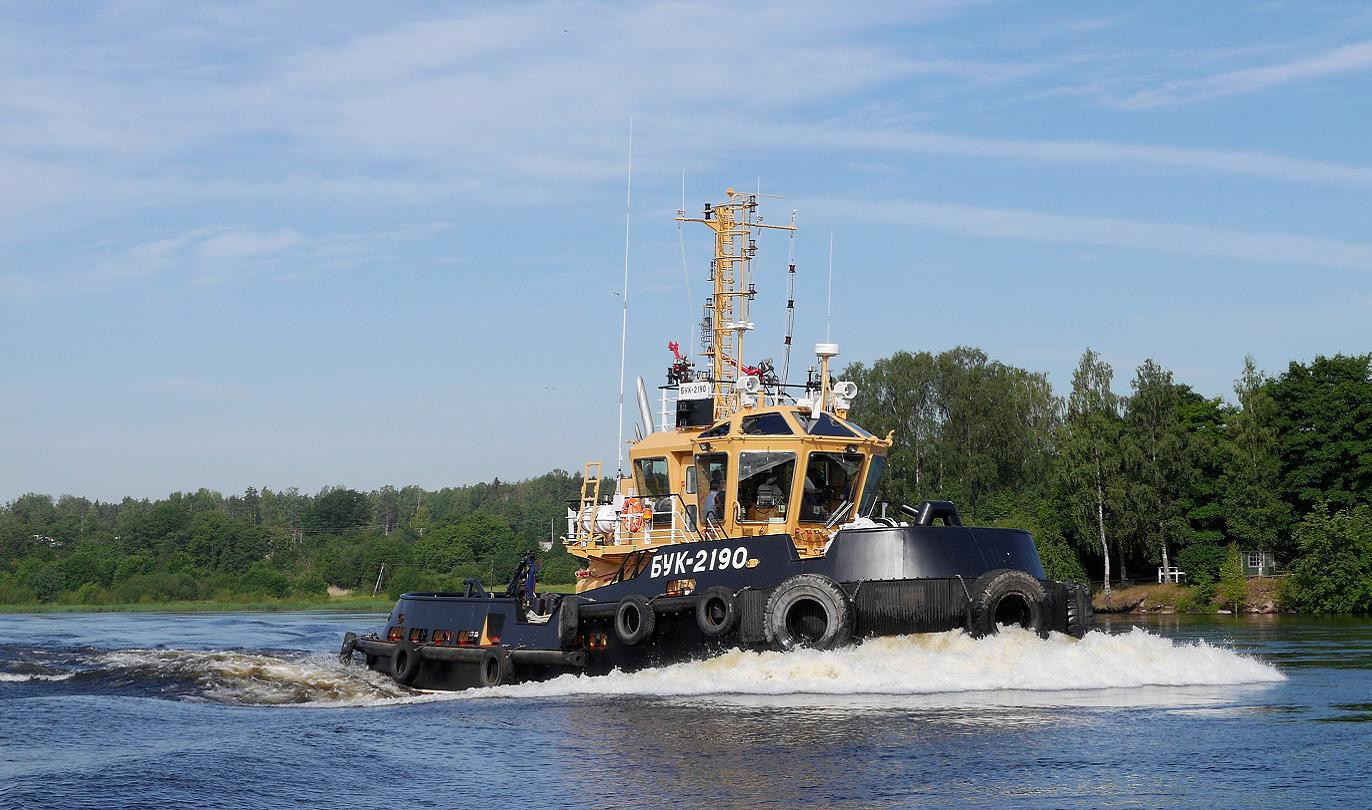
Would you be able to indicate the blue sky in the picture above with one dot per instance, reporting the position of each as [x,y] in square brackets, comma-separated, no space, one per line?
[269,244]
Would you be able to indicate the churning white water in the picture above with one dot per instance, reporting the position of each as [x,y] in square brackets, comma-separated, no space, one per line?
[941,668]
[934,664]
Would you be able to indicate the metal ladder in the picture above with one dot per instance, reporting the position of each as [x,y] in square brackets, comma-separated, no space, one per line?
[590,499]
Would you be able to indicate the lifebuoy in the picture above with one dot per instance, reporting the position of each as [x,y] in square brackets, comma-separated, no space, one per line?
[716,614]
[1007,596]
[634,620]
[405,663]
[632,517]
[808,610]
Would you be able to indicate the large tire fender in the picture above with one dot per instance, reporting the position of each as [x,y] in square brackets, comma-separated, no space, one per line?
[808,610]
[345,653]
[1006,594]
[716,612]
[634,620]
[568,621]
[1079,610]
[491,669]
[405,663]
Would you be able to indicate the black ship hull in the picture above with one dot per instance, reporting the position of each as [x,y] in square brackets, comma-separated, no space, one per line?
[695,600]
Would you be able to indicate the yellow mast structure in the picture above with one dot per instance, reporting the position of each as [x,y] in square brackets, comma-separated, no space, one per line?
[734,223]
[688,482]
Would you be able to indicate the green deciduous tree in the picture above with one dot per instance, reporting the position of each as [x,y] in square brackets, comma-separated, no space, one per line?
[1157,463]
[1255,515]
[1089,448]
[1233,587]
[1333,573]
[1322,418]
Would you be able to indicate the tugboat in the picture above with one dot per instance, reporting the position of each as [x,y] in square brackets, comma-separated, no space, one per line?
[749,520]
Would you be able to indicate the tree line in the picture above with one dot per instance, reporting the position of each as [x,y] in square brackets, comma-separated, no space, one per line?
[1122,483]
[276,544]
[1111,483]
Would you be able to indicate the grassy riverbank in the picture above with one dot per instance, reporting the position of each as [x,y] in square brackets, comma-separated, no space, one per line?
[354,603]
[1263,595]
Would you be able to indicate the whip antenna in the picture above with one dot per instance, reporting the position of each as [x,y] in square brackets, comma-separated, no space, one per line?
[685,268]
[828,305]
[790,303]
[624,320]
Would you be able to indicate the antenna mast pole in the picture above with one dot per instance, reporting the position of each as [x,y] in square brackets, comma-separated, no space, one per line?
[790,302]
[685,268]
[828,304]
[624,320]
[735,223]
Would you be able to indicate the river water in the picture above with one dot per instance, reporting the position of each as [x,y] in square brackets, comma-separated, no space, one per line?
[254,711]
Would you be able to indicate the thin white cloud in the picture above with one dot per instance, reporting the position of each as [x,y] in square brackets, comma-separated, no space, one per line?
[207,257]
[1038,226]
[1238,162]
[1346,59]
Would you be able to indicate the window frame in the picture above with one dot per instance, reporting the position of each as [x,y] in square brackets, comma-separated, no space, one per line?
[758,417]
[855,481]
[666,476]
[704,492]
[788,488]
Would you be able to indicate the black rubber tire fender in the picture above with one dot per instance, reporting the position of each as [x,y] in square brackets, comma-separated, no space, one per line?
[716,612]
[1079,610]
[405,663]
[568,621]
[989,594]
[634,620]
[490,670]
[345,653]
[808,610]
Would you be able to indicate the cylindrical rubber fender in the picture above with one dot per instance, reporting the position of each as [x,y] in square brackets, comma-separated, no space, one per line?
[808,610]
[634,620]
[1007,596]
[1079,610]
[405,663]
[716,613]
[568,621]
[491,669]
[480,671]
[345,653]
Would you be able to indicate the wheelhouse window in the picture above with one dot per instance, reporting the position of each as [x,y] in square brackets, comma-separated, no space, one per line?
[826,425]
[718,431]
[766,424]
[875,468]
[650,474]
[764,485]
[712,469]
[831,481]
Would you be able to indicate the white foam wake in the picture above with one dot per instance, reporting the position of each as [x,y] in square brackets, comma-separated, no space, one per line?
[259,678]
[30,677]
[934,664]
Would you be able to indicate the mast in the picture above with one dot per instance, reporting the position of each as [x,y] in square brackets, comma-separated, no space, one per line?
[624,320]
[734,222]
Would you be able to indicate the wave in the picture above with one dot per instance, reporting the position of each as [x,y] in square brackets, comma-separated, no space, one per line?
[933,664]
[942,664]
[32,677]
[256,678]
